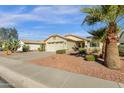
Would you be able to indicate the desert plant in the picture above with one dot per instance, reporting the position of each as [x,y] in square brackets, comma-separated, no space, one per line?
[14,44]
[11,45]
[121,50]
[25,48]
[90,58]
[61,51]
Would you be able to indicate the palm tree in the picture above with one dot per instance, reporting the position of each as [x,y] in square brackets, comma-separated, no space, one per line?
[110,15]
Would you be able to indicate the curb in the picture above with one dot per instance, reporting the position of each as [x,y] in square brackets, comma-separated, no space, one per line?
[17,80]
[121,85]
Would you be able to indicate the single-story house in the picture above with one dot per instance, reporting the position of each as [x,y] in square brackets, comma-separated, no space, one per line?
[57,42]
[34,44]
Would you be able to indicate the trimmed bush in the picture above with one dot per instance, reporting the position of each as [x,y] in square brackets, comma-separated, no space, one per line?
[121,50]
[82,51]
[90,58]
[61,51]
[25,48]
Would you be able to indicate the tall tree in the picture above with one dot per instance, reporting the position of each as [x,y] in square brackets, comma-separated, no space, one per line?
[7,33]
[109,15]
[13,33]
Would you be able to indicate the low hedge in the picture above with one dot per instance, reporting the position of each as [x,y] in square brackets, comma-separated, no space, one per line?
[25,48]
[61,51]
[90,58]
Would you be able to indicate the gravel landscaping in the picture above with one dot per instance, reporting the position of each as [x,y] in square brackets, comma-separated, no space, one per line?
[75,64]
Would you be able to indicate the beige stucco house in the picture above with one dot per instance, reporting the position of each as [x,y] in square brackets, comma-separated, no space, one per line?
[68,42]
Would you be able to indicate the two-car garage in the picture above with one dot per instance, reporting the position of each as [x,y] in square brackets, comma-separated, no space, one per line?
[53,46]
[55,42]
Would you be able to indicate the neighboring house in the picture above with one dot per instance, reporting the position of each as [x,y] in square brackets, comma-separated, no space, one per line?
[57,42]
[34,44]
[94,44]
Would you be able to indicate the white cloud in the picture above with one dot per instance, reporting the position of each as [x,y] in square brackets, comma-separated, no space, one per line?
[47,14]
[57,10]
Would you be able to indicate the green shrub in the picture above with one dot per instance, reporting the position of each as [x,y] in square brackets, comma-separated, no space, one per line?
[25,48]
[121,50]
[61,51]
[41,48]
[82,50]
[90,58]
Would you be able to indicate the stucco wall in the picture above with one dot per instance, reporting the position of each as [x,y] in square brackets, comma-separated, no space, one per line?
[70,45]
[34,46]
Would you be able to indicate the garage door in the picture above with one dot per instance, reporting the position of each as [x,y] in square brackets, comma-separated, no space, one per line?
[55,46]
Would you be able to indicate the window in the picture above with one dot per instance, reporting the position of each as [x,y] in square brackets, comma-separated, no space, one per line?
[94,44]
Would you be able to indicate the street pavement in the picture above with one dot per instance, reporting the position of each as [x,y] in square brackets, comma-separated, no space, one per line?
[49,77]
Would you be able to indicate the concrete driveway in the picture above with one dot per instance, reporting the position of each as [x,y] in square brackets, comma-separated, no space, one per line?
[30,55]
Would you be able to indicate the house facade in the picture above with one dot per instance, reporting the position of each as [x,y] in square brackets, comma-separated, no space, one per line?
[57,42]
[68,42]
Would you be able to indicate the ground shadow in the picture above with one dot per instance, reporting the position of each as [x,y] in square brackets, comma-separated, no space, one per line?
[100,61]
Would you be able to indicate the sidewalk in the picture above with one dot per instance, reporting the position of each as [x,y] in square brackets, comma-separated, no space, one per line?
[38,76]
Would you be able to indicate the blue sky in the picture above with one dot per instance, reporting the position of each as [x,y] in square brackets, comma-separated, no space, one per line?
[38,22]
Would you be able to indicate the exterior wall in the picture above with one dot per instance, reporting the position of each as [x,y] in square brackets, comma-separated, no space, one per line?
[55,43]
[70,45]
[34,46]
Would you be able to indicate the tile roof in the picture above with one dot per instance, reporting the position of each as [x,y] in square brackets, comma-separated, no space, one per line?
[33,41]
[60,37]
[75,36]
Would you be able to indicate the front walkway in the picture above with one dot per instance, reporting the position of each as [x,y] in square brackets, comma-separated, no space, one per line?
[20,72]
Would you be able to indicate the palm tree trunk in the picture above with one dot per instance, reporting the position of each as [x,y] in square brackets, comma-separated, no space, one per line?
[112,59]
